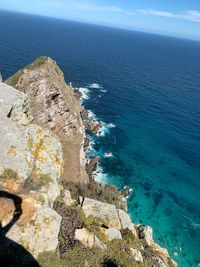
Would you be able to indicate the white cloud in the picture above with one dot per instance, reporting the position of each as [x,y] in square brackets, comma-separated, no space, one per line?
[84,6]
[191,15]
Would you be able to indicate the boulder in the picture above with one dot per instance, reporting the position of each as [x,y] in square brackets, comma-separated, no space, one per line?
[126,222]
[88,239]
[137,255]
[106,212]
[36,228]
[113,233]
[40,235]
[146,233]
[67,199]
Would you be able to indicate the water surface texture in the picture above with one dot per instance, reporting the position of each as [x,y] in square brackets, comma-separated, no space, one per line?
[149,88]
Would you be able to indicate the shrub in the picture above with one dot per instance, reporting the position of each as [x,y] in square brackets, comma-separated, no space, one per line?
[71,220]
[80,256]
[50,259]
[120,254]
[45,179]
[105,193]
[9,174]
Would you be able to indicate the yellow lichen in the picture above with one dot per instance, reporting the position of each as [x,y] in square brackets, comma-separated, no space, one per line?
[12,151]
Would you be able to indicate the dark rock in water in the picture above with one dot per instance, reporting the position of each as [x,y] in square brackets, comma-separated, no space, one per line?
[168,212]
[136,205]
[77,94]
[141,229]
[84,114]
[126,191]
[91,166]
[157,197]
[147,186]
[86,143]
[92,126]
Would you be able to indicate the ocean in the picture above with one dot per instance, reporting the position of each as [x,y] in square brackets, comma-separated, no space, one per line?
[146,90]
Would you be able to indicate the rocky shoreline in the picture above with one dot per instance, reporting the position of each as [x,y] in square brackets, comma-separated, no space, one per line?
[66,218]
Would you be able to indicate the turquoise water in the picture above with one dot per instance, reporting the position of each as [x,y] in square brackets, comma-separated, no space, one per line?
[149,88]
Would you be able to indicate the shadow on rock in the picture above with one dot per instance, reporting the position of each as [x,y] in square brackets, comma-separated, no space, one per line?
[11,253]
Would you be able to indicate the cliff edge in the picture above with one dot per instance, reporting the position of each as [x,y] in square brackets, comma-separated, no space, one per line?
[52,213]
[52,105]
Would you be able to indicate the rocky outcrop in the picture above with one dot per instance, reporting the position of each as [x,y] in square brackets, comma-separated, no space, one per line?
[112,233]
[42,137]
[117,220]
[31,163]
[91,166]
[106,212]
[88,239]
[52,105]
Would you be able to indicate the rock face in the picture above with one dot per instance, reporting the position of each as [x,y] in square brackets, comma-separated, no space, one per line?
[31,163]
[52,105]
[106,212]
[42,141]
[112,234]
[88,239]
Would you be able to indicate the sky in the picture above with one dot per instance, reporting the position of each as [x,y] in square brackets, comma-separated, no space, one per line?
[179,18]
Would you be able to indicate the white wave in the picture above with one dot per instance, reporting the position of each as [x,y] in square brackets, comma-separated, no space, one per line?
[91,114]
[94,86]
[103,90]
[90,149]
[196,225]
[108,155]
[100,176]
[85,92]
[105,128]
[111,125]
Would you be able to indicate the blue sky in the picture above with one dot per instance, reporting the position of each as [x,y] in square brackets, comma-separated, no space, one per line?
[172,17]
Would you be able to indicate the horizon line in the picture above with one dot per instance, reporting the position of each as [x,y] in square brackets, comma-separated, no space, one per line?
[113,26]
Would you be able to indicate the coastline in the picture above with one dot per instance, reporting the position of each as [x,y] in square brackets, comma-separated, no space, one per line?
[98,211]
[98,175]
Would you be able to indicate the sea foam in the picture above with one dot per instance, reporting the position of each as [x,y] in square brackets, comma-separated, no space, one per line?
[94,86]
[85,93]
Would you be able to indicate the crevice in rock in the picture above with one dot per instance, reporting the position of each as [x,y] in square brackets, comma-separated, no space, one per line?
[10,113]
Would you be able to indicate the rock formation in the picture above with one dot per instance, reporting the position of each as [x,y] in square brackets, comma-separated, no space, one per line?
[47,201]
[54,106]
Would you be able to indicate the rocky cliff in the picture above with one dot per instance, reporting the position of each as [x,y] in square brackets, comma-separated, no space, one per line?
[52,105]
[50,210]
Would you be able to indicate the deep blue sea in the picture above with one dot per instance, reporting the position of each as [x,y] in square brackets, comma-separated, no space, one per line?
[148,86]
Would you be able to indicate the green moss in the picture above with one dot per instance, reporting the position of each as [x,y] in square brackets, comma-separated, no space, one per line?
[59,199]
[131,240]
[50,259]
[13,80]
[9,174]
[80,256]
[41,199]
[45,179]
[119,252]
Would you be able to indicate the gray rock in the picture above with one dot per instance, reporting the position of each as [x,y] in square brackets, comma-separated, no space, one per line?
[107,212]
[112,234]
[40,234]
[137,255]
[88,239]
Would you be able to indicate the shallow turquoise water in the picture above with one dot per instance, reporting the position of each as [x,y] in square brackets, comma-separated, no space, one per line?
[152,95]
